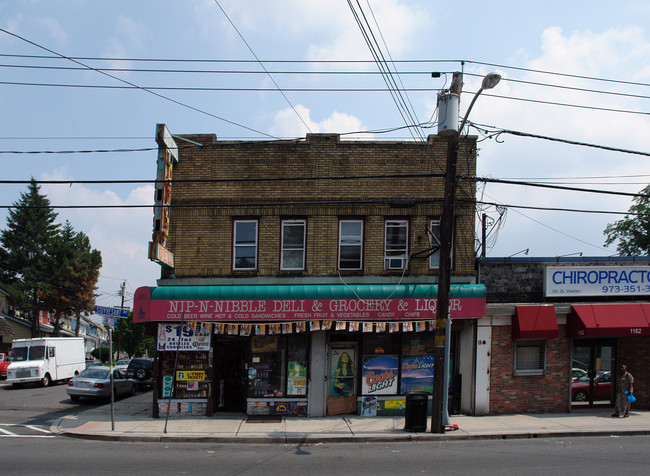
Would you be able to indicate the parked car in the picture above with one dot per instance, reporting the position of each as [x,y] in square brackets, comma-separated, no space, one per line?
[141,370]
[602,387]
[122,364]
[5,360]
[577,373]
[92,363]
[95,382]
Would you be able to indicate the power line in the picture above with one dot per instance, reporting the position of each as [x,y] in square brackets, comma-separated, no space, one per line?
[279,89]
[494,132]
[166,98]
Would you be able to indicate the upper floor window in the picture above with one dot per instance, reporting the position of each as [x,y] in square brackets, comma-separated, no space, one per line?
[396,244]
[351,244]
[434,258]
[245,245]
[293,244]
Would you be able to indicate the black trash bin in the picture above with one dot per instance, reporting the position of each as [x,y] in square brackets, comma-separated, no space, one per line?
[416,412]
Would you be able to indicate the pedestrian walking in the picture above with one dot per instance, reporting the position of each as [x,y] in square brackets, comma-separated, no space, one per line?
[624,393]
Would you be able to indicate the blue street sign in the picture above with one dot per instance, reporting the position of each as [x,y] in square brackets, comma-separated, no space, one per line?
[112,311]
[111,321]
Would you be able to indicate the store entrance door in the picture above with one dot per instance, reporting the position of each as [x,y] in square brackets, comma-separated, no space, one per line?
[342,396]
[592,378]
[230,382]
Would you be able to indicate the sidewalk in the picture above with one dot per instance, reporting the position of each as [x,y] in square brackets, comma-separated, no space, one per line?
[133,422]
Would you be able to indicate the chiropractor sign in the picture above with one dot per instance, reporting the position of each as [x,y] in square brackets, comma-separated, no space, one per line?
[567,281]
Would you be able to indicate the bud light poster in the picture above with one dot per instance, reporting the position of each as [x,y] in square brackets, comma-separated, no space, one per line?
[417,374]
[379,375]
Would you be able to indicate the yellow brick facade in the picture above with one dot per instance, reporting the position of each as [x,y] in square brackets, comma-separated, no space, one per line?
[321,179]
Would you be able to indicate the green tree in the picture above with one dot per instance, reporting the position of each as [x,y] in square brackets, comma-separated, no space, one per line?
[101,353]
[31,228]
[84,277]
[632,233]
[134,341]
[74,270]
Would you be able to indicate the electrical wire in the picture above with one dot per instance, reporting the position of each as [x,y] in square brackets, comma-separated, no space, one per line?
[278,88]
[133,85]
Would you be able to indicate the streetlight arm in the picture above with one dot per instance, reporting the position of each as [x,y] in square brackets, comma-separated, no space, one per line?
[469,109]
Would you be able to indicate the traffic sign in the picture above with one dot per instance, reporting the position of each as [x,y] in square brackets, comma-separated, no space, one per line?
[111,321]
[112,311]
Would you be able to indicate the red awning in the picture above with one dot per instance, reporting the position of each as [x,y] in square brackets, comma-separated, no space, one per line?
[535,322]
[609,320]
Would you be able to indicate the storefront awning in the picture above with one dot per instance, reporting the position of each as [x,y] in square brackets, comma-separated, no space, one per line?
[535,322]
[281,303]
[609,320]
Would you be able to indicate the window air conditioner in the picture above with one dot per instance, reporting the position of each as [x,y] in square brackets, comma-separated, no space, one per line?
[395,263]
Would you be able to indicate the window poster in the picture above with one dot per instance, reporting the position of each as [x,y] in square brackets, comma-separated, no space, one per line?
[297,378]
[417,374]
[379,375]
[342,372]
[191,338]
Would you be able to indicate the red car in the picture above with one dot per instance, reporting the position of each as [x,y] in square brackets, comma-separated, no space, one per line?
[5,360]
[602,387]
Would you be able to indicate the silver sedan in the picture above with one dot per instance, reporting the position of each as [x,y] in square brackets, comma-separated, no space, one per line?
[96,382]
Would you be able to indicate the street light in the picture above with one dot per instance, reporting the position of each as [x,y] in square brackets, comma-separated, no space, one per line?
[443,330]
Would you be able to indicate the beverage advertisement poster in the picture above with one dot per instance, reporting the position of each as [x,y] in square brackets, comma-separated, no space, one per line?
[192,338]
[297,379]
[417,374]
[379,375]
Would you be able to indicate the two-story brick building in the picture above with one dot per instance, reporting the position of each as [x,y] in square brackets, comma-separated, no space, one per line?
[304,274]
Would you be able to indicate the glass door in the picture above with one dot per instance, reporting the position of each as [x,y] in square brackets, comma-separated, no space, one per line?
[592,373]
[342,372]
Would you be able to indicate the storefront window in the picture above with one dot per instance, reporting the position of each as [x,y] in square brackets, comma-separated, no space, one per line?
[530,357]
[418,344]
[297,351]
[266,373]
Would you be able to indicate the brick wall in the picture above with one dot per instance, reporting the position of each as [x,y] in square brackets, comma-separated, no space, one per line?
[633,352]
[510,393]
[202,215]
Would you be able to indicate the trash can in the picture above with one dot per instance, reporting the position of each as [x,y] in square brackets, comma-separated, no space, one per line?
[416,412]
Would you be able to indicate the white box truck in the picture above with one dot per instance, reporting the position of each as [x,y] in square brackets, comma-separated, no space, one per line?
[46,360]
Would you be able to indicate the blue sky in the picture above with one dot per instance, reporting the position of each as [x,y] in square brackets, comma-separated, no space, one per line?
[46,109]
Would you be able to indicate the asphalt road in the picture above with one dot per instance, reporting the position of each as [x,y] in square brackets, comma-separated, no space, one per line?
[38,406]
[30,449]
[583,455]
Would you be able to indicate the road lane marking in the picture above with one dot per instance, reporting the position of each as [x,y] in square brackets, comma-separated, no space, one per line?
[4,433]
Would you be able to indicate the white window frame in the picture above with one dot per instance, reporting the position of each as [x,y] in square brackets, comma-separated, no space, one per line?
[349,241]
[242,245]
[532,358]
[392,253]
[301,248]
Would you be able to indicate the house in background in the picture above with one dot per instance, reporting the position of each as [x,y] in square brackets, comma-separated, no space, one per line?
[14,326]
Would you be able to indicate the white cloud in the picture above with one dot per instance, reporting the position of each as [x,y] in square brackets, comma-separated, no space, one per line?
[129,38]
[286,123]
[615,53]
[324,29]
[54,32]
[120,234]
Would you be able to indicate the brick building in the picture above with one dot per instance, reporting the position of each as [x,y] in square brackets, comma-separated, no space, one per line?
[304,274]
[549,320]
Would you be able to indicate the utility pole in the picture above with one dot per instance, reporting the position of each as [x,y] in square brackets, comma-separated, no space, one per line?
[444,276]
[446,236]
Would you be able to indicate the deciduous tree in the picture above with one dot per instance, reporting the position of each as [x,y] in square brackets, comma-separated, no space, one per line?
[632,233]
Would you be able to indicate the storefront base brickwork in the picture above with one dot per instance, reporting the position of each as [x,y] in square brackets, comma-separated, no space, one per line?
[510,393]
